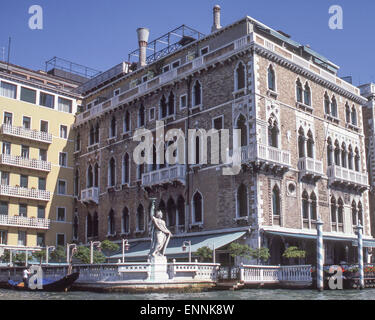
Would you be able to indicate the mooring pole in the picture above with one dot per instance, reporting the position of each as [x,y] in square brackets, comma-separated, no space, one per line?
[319,256]
[359,229]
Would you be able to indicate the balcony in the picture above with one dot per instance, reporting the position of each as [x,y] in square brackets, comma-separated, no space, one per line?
[347,178]
[266,156]
[24,222]
[19,192]
[90,195]
[21,162]
[164,176]
[45,137]
[310,168]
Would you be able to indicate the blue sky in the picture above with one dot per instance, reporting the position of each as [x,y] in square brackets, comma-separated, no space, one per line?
[100,34]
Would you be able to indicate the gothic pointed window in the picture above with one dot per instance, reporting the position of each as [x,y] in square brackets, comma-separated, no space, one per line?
[241,125]
[354,116]
[171,213]
[329,152]
[111,222]
[242,205]
[299,91]
[307,95]
[240,77]
[181,211]
[327,104]
[140,221]
[310,145]
[197,93]
[171,103]
[276,206]
[197,208]
[271,79]
[112,172]
[334,107]
[125,221]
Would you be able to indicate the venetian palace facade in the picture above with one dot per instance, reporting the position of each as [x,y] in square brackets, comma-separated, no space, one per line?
[36,163]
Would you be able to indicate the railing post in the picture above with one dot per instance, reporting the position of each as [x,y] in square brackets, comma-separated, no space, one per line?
[242,273]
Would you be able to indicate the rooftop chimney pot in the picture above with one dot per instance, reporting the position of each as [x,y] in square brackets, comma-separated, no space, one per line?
[143,34]
[216,11]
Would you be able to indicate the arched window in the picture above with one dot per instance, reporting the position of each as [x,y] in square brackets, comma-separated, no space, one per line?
[125,169]
[126,122]
[305,210]
[112,173]
[181,211]
[344,155]
[299,91]
[125,221]
[111,222]
[154,165]
[75,227]
[171,213]
[273,133]
[327,104]
[334,107]
[197,208]
[242,205]
[97,133]
[347,113]
[163,107]
[357,160]
[340,215]
[78,142]
[350,158]
[337,153]
[310,145]
[333,214]
[76,183]
[271,79]
[89,226]
[354,215]
[96,175]
[360,214]
[197,149]
[241,125]
[92,135]
[329,152]
[240,77]
[90,177]
[354,116]
[301,142]
[197,93]
[307,95]
[112,131]
[276,206]
[141,116]
[95,230]
[171,103]
[313,208]
[140,221]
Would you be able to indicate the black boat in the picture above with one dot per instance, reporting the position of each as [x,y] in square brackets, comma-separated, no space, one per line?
[49,285]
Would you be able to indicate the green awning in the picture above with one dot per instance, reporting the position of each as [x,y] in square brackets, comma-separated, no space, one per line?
[141,249]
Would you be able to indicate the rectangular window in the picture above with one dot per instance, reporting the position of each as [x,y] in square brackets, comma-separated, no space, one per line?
[8,90]
[61,187]
[63,132]
[47,100]
[204,51]
[40,240]
[5,178]
[176,64]
[60,239]
[65,105]
[166,68]
[152,114]
[26,122]
[24,181]
[60,214]
[44,126]
[183,101]
[8,118]
[42,183]
[6,148]
[4,207]
[116,92]
[22,238]
[28,95]
[63,159]
[41,212]
[22,212]
[218,123]
[43,154]
[25,152]
[3,237]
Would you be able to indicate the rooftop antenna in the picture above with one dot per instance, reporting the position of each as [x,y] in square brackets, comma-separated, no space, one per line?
[3,53]
[8,53]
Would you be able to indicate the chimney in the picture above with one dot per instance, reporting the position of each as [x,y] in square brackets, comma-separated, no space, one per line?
[216,26]
[143,34]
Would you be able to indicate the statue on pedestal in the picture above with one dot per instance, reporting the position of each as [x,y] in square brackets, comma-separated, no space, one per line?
[160,235]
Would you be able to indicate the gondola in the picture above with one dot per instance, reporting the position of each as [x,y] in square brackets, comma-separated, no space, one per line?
[49,285]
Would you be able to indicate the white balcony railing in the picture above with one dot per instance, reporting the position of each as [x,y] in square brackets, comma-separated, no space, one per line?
[309,166]
[21,162]
[90,195]
[19,192]
[338,174]
[265,153]
[165,175]
[26,133]
[24,222]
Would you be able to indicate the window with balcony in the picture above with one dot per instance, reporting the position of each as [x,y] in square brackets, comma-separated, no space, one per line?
[96,175]
[25,152]
[276,206]
[6,148]
[22,210]
[273,132]
[3,237]
[271,79]
[47,100]
[24,181]
[42,183]
[241,125]
[65,105]
[344,155]
[357,159]
[26,122]
[8,118]
[41,212]
[42,154]
[197,208]
[309,210]
[43,126]
[140,171]
[4,208]
[28,95]
[125,221]
[5,178]
[310,145]
[171,213]
[140,219]
[22,238]
[301,143]
[337,153]
[350,157]
[240,76]
[337,215]
[8,90]
[40,239]
[60,214]
[242,201]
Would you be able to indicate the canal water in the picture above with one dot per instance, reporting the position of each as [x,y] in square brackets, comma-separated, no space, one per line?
[258,294]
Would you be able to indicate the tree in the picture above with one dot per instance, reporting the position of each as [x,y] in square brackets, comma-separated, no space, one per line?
[108,246]
[39,255]
[294,253]
[260,254]
[239,250]
[204,254]
[83,254]
[6,256]
[59,254]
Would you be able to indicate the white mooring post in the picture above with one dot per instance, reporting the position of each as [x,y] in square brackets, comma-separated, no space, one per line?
[359,229]
[319,256]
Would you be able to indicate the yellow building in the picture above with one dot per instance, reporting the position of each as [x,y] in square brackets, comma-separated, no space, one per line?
[36,158]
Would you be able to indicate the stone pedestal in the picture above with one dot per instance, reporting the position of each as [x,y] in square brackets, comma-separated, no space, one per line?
[159,269]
